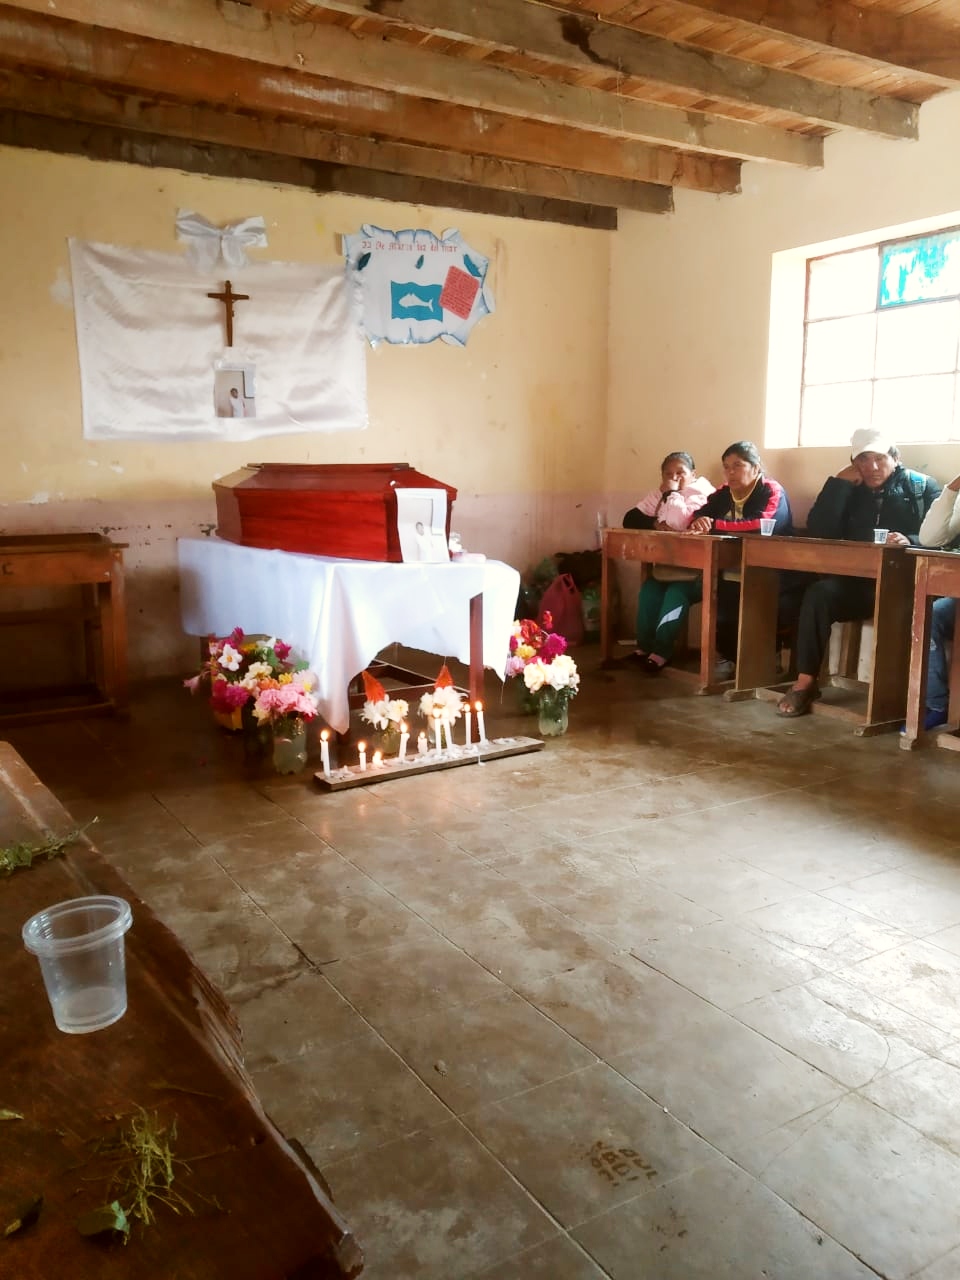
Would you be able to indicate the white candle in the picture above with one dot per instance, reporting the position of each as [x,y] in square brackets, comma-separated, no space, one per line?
[402,754]
[325,751]
[377,761]
[422,743]
[467,717]
[362,748]
[436,728]
[447,736]
[481,728]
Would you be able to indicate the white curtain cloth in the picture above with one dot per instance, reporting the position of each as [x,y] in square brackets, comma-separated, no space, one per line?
[339,614]
[150,342]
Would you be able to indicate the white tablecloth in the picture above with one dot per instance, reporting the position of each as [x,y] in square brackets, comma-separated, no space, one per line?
[339,614]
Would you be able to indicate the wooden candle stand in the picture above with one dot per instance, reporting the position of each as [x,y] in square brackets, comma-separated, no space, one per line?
[429,762]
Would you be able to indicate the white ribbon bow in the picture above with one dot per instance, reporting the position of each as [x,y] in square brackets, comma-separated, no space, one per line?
[206,243]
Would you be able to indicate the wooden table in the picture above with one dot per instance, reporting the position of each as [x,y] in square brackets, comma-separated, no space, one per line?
[93,564]
[889,567]
[176,1053]
[937,573]
[710,554]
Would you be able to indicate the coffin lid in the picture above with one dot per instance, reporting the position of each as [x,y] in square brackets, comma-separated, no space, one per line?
[332,478]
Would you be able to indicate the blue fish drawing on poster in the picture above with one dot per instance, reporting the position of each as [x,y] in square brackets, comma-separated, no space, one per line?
[415,286]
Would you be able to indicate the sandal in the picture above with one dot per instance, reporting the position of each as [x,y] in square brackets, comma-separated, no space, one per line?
[797,702]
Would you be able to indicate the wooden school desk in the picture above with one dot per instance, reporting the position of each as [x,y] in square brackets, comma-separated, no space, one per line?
[709,553]
[889,567]
[91,565]
[937,573]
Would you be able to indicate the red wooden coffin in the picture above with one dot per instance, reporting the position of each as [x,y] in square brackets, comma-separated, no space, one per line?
[344,509]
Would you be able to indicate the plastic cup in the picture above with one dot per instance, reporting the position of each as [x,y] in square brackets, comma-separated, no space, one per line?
[767,527]
[880,535]
[80,947]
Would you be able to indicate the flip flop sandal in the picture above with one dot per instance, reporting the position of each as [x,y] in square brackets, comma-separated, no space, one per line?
[797,702]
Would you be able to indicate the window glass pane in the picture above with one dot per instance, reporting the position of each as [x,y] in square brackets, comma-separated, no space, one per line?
[919,339]
[928,267]
[830,414]
[840,350]
[915,408]
[844,284]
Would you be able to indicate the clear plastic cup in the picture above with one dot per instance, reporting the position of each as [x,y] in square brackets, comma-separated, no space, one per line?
[767,527]
[80,947]
[880,535]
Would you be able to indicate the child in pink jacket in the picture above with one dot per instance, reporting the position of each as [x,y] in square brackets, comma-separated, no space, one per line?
[672,505]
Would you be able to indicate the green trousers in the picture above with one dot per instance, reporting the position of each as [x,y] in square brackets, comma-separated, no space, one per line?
[662,609]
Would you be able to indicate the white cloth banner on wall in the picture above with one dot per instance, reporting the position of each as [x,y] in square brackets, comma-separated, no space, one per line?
[154,364]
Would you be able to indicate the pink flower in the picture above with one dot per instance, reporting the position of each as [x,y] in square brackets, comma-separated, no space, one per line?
[192,684]
[225,695]
[552,647]
[282,650]
[514,665]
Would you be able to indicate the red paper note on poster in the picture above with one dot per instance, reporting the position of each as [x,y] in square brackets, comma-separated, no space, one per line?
[459,291]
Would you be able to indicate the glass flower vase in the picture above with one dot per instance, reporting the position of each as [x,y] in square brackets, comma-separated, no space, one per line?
[388,740]
[257,736]
[290,744]
[552,713]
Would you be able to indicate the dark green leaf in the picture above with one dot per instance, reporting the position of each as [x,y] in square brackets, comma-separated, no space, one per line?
[362,261]
[471,266]
[420,262]
[26,1216]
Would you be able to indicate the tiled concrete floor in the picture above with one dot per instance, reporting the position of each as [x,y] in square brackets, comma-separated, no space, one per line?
[677,997]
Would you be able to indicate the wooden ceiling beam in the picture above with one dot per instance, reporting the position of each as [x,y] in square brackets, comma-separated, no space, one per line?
[577,41]
[154,68]
[922,42]
[64,100]
[398,68]
[97,142]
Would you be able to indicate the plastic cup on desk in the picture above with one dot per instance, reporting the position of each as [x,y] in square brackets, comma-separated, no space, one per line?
[767,527]
[80,946]
[880,535]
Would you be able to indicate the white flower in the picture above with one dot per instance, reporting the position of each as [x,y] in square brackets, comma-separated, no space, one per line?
[255,672]
[562,673]
[397,710]
[376,713]
[446,701]
[231,658]
[535,675]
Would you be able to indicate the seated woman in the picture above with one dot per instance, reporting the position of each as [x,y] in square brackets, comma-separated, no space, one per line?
[737,507]
[941,528]
[680,494]
[875,491]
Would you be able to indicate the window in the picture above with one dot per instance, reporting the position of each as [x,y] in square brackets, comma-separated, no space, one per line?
[881,341]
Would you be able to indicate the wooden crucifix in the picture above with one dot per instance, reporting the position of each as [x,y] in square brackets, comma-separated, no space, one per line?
[228,298]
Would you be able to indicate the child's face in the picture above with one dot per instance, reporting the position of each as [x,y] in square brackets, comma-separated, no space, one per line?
[676,472]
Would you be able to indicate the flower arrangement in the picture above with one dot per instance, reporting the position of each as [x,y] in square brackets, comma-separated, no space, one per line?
[550,675]
[251,671]
[386,714]
[442,705]
[530,640]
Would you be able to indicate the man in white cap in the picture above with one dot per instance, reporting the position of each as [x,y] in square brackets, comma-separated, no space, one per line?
[874,492]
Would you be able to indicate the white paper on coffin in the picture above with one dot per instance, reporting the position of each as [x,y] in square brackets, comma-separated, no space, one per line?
[422,525]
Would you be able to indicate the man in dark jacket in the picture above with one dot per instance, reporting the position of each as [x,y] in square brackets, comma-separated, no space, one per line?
[874,492]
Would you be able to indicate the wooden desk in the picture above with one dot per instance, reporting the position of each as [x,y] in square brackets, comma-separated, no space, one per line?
[764,558]
[175,1052]
[708,553]
[94,564]
[937,573]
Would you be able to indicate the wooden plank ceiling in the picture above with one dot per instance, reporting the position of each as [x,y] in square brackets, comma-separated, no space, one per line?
[567,110]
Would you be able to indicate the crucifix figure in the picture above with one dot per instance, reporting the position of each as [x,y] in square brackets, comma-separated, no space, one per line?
[228,298]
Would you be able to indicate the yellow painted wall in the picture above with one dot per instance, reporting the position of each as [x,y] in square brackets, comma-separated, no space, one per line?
[690,298]
[516,420]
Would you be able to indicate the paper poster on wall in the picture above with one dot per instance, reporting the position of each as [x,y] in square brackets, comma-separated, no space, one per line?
[163,358]
[416,286]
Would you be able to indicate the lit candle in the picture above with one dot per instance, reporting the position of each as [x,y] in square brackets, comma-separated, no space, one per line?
[481,728]
[325,751]
[402,754]
[362,748]
[422,743]
[436,728]
[467,717]
[377,761]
